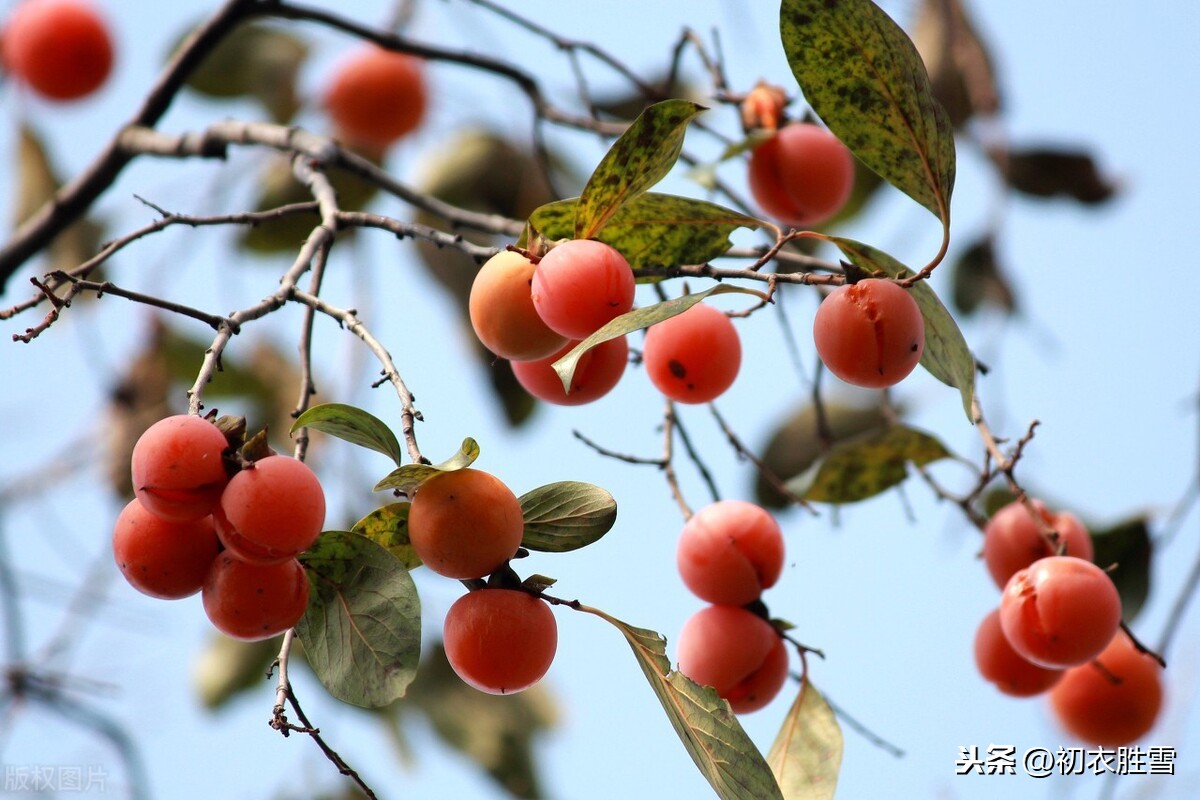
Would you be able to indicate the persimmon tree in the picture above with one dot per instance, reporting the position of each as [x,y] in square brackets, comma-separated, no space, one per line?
[705,206]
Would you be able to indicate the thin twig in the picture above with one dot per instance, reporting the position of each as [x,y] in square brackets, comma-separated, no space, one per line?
[694,454]
[745,452]
[668,465]
[409,415]
[71,201]
[330,753]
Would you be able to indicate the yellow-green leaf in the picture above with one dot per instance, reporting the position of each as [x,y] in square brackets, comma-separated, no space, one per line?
[640,158]
[387,526]
[635,320]
[407,478]
[867,465]
[862,75]
[653,231]
[709,730]
[807,754]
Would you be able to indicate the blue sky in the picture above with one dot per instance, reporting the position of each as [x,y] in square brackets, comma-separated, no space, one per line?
[1105,355]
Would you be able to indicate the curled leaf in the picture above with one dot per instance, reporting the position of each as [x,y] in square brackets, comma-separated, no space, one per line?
[407,478]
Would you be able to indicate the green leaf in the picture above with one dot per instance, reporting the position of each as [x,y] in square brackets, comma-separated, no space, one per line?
[1126,544]
[867,465]
[407,478]
[565,516]
[654,231]
[387,527]
[638,319]
[797,443]
[258,60]
[977,278]
[862,75]
[353,425]
[807,753]
[640,158]
[947,356]
[709,730]
[362,628]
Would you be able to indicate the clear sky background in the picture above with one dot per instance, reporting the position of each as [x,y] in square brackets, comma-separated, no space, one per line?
[1105,354]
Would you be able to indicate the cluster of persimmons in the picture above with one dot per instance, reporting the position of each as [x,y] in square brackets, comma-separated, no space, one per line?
[205,520]
[1058,628]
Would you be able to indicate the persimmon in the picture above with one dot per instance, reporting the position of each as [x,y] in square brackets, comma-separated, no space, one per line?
[254,601]
[1012,538]
[597,373]
[502,313]
[178,467]
[580,285]
[162,558]
[376,96]
[465,523]
[271,511]
[736,652]
[802,175]
[869,333]
[693,357]
[500,641]
[1114,701]
[1060,611]
[999,664]
[729,552]
[62,49]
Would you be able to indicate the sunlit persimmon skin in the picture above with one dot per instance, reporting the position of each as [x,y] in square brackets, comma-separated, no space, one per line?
[1012,539]
[693,357]
[999,664]
[502,312]
[376,96]
[597,373]
[465,523]
[163,558]
[580,285]
[1113,709]
[729,551]
[736,652]
[802,175]
[62,49]
[271,511]
[254,601]
[869,333]
[500,641]
[1060,611]
[178,468]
